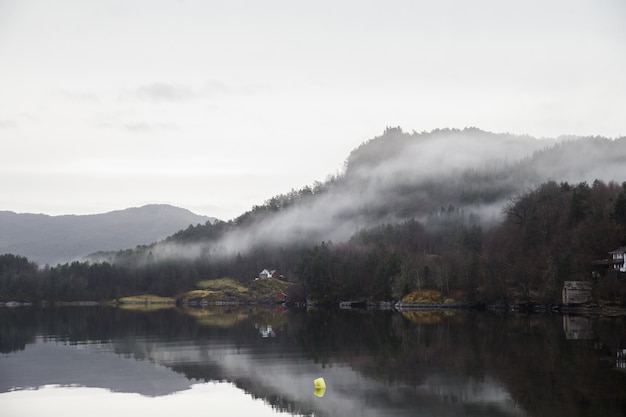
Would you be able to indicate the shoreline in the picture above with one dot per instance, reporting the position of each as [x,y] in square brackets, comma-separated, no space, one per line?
[586,310]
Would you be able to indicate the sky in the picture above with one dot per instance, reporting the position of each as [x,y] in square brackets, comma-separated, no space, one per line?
[216,106]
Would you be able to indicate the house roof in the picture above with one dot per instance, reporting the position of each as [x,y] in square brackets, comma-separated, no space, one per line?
[577,285]
[619,250]
[608,262]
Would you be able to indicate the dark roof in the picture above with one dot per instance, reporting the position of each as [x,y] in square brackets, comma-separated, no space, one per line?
[577,285]
[608,262]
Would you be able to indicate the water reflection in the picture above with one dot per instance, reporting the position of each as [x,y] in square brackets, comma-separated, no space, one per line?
[374,363]
[578,328]
[200,399]
[49,362]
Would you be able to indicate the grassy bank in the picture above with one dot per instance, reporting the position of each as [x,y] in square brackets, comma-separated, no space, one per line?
[227,290]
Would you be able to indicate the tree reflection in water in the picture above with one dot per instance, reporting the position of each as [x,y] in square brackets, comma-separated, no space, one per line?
[374,362]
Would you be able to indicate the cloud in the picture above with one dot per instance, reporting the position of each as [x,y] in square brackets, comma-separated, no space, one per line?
[131,120]
[399,177]
[165,92]
[8,124]
[172,92]
[144,127]
[214,87]
[78,96]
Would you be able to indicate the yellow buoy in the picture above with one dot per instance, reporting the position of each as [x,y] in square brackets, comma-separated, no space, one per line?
[320,387]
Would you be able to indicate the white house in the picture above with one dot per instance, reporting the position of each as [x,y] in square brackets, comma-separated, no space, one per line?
[619,255]
[266,274]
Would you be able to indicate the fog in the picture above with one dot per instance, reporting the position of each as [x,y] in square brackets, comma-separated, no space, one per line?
[400,176]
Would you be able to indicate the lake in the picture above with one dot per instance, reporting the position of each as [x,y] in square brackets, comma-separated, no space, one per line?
[234,361]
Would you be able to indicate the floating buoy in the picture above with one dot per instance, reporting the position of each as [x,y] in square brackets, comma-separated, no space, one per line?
[320,387]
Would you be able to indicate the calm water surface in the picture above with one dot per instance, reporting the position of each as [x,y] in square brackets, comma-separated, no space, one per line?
[262,362]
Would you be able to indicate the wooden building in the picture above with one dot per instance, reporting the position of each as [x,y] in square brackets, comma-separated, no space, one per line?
[576,292]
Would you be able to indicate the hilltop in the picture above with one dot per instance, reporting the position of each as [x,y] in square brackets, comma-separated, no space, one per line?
[400,176]
[57,239]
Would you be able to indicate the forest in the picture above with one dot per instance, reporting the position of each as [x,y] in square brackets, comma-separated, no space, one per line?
[483,218]
[553,233]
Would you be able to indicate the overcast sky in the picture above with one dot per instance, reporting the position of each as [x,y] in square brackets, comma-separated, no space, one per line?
[218,105]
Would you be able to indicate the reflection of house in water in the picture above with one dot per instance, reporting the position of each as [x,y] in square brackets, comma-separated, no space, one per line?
[620,360]
[577,328]
[576,292]
[266,331]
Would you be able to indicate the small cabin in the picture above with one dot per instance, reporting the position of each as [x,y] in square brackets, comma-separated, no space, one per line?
[576,292]
[266,273]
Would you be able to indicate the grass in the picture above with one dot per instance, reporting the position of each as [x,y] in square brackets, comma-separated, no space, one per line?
[221,284]
[219,316]
[146,307]
[227,316]
[426,297]
[145,302]
[229,290]
[426,317]
[212,291]
[269,285]
[146,299]
[198,293]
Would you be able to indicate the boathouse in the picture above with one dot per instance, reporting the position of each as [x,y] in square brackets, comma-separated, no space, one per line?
[576,292]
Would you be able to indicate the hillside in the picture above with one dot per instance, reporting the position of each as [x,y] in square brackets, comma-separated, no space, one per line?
[56,239]
[400,176]
[477,216]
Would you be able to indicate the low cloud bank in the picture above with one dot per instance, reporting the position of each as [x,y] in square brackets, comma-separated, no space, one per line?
[400,176]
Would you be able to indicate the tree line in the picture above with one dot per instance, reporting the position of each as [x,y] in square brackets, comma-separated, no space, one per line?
[549,235]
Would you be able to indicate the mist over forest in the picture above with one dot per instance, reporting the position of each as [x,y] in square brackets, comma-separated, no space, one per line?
[400,176]
[480,217]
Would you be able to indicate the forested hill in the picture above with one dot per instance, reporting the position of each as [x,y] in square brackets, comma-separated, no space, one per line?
[51,239]
[476,216]
[399,176]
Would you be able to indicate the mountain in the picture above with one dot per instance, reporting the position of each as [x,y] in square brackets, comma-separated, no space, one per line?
[400,176]
[477,216]
[56,239]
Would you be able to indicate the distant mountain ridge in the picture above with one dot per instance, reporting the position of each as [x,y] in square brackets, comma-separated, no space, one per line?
[57,239]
